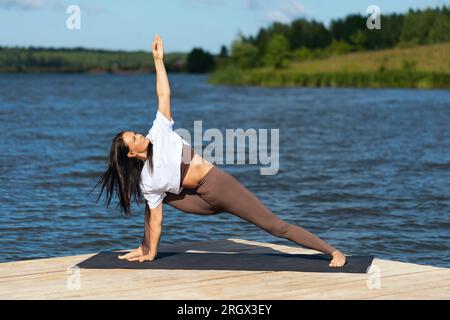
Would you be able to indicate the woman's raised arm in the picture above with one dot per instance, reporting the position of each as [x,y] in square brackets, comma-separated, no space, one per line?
[162,81]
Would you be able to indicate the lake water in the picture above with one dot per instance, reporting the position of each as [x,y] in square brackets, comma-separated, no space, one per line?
[368,170]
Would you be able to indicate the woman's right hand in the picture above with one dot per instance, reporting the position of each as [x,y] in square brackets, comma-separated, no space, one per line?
[158,48]
[142,250]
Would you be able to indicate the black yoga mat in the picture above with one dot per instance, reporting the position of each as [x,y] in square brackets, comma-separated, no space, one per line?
[230,261]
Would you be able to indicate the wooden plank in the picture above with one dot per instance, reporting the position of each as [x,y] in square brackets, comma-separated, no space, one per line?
[208,284]
[335,289]
[46,279]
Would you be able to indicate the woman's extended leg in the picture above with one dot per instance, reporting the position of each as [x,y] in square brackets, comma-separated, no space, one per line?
[221,190]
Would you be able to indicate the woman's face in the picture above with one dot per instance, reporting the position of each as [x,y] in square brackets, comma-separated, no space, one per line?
[136,143]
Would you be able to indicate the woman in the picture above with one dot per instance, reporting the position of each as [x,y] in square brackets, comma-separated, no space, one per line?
[165,169]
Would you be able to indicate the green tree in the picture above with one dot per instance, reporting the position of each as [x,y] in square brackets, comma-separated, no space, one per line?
[310,34]
[339,47]
[244,54]
[223,52]
[389,34]
[344,28]
[416,26]
[359,40]
[303,54]
[278,52]
[440,31]
[199,61]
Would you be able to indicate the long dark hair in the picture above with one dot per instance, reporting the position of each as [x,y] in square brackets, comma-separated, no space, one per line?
[123,175]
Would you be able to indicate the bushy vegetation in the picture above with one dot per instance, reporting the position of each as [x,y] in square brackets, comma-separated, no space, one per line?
[419,67]
[305,39]
[346,53]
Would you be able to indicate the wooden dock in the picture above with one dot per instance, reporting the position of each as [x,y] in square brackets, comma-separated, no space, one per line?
[55,278]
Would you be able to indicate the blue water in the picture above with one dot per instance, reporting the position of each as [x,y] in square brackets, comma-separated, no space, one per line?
[368,170]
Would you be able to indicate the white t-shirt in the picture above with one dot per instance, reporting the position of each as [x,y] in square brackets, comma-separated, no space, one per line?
[167,148]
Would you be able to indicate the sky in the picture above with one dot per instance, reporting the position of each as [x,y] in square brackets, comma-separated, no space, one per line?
[182,24]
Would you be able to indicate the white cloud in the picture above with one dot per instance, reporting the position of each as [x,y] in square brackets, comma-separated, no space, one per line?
[296,8]
[281,10]
[22,4]
[47,4]
[278,16]
[31,4]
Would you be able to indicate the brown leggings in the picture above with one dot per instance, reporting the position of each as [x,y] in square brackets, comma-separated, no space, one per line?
[218,192]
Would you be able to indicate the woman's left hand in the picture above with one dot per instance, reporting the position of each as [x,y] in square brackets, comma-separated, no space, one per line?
[158,48]
[145,257]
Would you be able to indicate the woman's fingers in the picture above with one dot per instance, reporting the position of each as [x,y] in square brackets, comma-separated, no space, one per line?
[158,39]
[157,43]
[337,262]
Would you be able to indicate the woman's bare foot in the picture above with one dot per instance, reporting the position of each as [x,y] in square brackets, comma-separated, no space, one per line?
[135,253]
[338,259]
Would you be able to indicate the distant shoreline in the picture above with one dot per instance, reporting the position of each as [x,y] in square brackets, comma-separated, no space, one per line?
[424,67]
[389,79]
[419,67]
[93,72]
[48,60]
